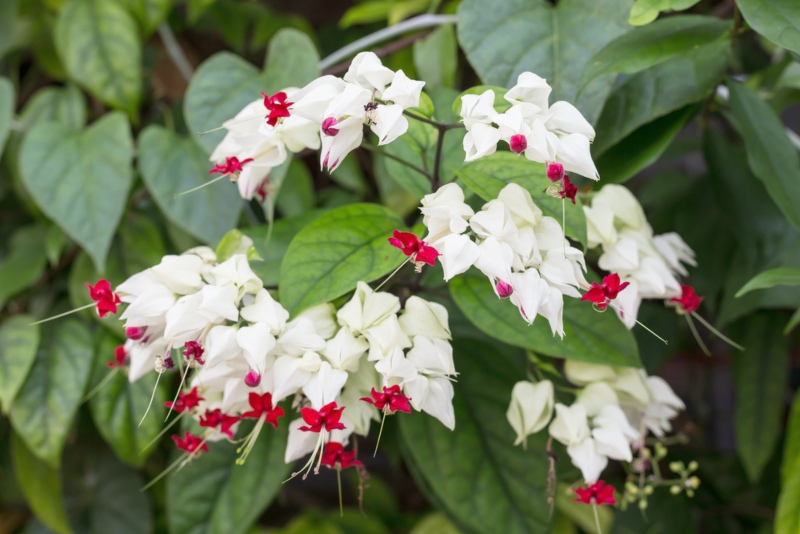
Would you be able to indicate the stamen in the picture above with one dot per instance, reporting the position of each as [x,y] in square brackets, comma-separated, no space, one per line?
[92,305]
[149,404]
[719,334]
[180,387]
[339,484]
[408,259]
[99,386]
[179,463]
[696,335]
[380,432]
[192,190]
[250,441]
[164,431]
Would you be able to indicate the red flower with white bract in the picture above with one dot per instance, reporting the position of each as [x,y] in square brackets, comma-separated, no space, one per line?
[390,400]
[413,246]
[190,443]
[278,107]
[326,417]
[186,401]
[597,493]
[601,295]
[231,166]
[193,352]
[688,301]
[335,457]
[120,357]
[216,418]
[568,189]
[107,300]
[262,407]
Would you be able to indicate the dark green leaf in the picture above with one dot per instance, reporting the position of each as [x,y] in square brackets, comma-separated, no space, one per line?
[645,47]
[272,252]
[215,495]
[171,165]
[366,12]
[555,42]
[787,519]
[41,484]
[99,44]
[11,31]
[119,406]
[436,58]
[225,83]
[63,105]
[19,340]
[653,93]
[793,322]
[488,176]
[81,180]
[771,278]
[646,11]
[777,20]
[479,453]
[149,13]
[340,248]
[6,110]
[642,147]
[588,335]
[43,411]
[770,154]
[25,262]
[760,375]
[296,194]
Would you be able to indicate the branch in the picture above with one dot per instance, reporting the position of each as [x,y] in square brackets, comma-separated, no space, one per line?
[373,148]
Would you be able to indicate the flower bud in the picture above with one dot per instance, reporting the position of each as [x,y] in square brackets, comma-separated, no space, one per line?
[503,289]
[518,143]
[555,172]
[135,332]
[252,378]
[328,127]
[531,408]
[675,490]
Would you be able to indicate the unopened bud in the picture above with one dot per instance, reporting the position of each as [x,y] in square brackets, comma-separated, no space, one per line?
[252,378]
[504,289]
[328,127]
[518,143]
[693,466]
[676,467]
[693,482]
[643,505]
[135,332]
[631,488]
[648,490]
[675,490]
[555,172]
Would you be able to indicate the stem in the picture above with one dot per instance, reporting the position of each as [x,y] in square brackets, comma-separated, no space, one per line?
[175,52]
[436,124]
[437,160]
[697,337]
[339,483]
[415,23]
[373,148]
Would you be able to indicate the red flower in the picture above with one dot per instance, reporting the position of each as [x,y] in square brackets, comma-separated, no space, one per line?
[278,107]
[186,401]
[329,127]
[597,493]
[688,301]
[568,189]
[106,299]
[518,143]
[602,294]
[215,418]
[252,378]
[262,407]
[391,398]
[411,245]
[335,457]
[120,356]
[190,443]
[193,351]
[232,165]
[135,332]
[555,172]
[504,289]
[328,417]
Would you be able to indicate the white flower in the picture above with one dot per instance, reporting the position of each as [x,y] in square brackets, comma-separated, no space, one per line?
[585,456]
[292,373]
[421,317]
[367,71]
[367,308]
[478,109]
[570,425]
[344,134]
[595,396]
[445,212]
[457,253]
[432,356]
[432,395]
[193,313]
[265,309]
[675,251]
[388,123]
[531,94]
[384,337]
[344,350]
[404,91]
[325,385]
[324,318]
[480,140]
[311,101]
[531,408]
[300,337]
[236,271]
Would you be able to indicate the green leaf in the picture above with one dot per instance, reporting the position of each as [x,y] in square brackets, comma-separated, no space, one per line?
[366,12]
[149,13]
[272,252]
[6,110]
[643,147]
[19,340]
[225,83]
[589,336]
[645,47]
[64,105]
[171,165]
[41,484]
[488,176]
[777,20]
[99,44]
[436,58]
[787,520]
[104,495]
[81,180]
[646,11]
[43,411]
[771,155]
[296,194]
[230,243]
[772,278]
[215,495]
[761,376]
[450,465]
[25,262]
[338,249]
[118,407]
[555,42]
[659,90]
[793,322]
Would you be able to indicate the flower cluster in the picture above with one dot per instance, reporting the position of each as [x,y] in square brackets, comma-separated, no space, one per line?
[614,409]
[648,264]
[523,252]
[247,355]
[544,133]
[328,113]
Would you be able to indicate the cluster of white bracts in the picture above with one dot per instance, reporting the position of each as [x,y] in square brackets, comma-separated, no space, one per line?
[544,133]
[613,412]
[616,222]
[329,112]
[250,345]
[523,252]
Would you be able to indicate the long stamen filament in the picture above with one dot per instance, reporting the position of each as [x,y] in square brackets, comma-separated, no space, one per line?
[99,386]
[596,518]
[380,432]
[179,463]
[309,464]
[250,441]
[178,393]
[696,335]
[617,308]
[93,304]
[719,334]
[339,483]
[393,273]
[152,396]
[192,190]
[164,431]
